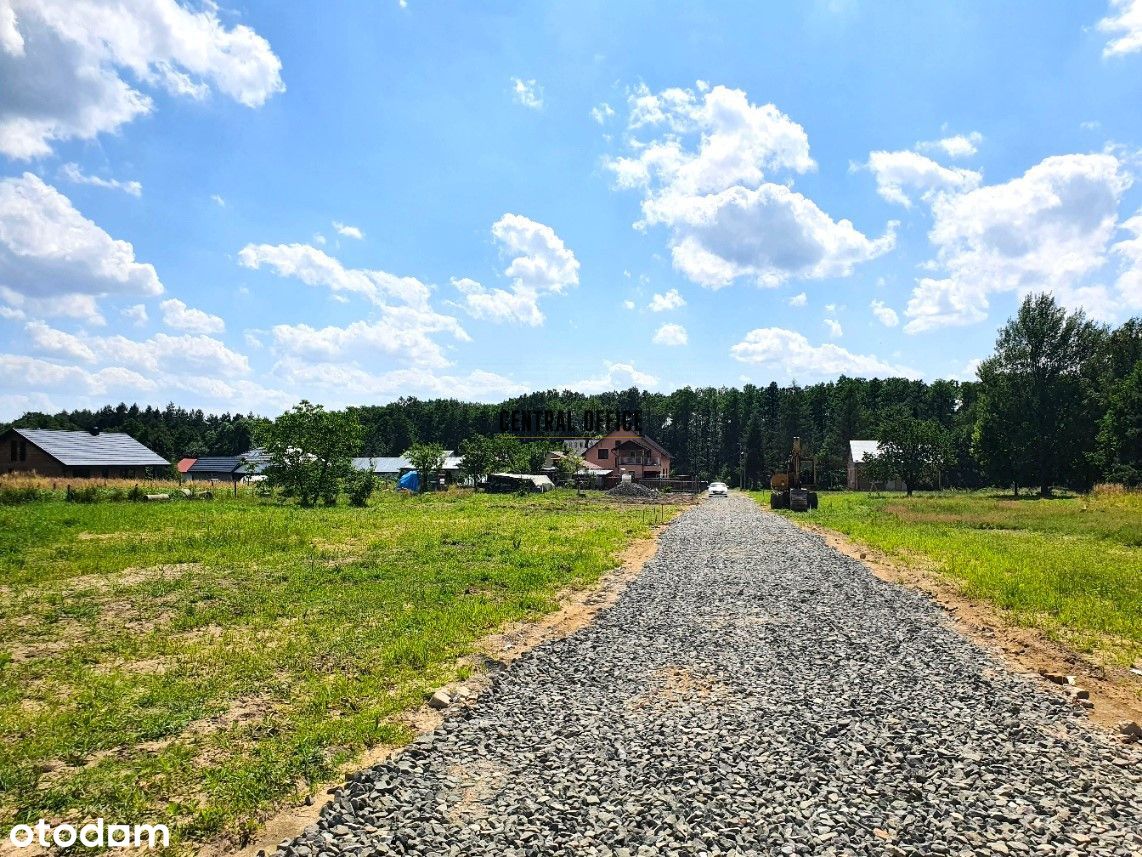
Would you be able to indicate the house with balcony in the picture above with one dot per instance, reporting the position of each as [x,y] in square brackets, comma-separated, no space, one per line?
[628,453]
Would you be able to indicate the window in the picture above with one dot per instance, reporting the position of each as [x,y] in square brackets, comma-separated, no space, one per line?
[23,450]
[603,453]
[14,447]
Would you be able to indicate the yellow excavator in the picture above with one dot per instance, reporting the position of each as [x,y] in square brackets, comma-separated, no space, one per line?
[793,488]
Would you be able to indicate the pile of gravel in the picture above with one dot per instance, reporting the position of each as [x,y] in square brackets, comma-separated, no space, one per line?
[634,490]
[753,692]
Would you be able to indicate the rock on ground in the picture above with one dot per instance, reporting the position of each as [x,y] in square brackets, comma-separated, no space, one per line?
[753,692]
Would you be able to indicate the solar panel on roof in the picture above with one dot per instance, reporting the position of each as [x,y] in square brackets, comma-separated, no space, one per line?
[84,449]
[216,464]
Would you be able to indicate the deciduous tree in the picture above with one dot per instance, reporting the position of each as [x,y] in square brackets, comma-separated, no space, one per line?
[310,452]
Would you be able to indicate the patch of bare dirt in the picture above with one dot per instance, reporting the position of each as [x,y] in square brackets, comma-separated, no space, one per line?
[677,685]
[1115,692]
[89,583]
[471,789]
[243,710]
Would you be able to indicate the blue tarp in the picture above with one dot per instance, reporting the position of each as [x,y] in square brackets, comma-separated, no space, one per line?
[410,481]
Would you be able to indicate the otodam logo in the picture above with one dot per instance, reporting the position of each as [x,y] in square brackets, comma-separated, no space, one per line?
[569,423]
[94,834]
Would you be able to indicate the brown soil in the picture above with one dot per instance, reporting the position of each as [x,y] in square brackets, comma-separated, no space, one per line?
[677,685]
[472,789]
[1115,692]
[96,583]
[578,608]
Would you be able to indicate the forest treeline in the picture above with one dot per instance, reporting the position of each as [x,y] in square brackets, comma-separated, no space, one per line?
[1059,402]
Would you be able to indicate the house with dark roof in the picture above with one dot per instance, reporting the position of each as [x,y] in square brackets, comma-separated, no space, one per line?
[216,468]
[79,454]
[627,452]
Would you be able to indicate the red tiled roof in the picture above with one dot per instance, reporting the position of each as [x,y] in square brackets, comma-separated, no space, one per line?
[185,463]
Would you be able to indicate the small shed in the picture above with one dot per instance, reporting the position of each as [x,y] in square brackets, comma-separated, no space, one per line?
[184,464]
[216,468]
[860,451]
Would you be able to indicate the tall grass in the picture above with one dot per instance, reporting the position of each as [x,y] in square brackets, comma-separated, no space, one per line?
[16,489]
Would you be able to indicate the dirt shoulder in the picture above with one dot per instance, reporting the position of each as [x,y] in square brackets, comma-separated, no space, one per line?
[577,609]
[1116,693]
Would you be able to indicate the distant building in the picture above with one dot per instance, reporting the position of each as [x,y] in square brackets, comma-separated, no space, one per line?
[395,466]
[627,453]
[78,454]
[216,468]
[385,466]
[860,451]
[184,464]
[577,445]
[586,468]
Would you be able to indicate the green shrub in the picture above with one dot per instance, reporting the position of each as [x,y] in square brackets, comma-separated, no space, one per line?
[361,486]
[83,494]
[14,495]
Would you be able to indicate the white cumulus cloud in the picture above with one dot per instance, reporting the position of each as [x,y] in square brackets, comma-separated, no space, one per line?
[315,267]
[956,146]
[71,68]
[1124,23]
[899,172]
[703,175]
[799,299]
[885,314]
[541,264]
[407,338]
[528,93]
[406,326]
[1049,229]
[834,326]
[602,112]
[791,352]
[52,341]
[178,315]
[665,302]
[670,334]
[54,261]
[615,376]
[348,231]
[1129,254]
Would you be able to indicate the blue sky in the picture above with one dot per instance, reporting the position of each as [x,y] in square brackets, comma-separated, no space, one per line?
[235,206]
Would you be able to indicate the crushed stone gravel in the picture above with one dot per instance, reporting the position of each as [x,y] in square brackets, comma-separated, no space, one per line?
[753,692]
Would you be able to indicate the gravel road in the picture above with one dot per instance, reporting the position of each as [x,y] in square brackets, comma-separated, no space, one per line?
[753,692]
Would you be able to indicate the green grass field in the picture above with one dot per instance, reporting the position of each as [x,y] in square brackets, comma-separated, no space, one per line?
[199,663]
[1070,566]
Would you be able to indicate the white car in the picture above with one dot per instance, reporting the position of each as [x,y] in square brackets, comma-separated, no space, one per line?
[718,489]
